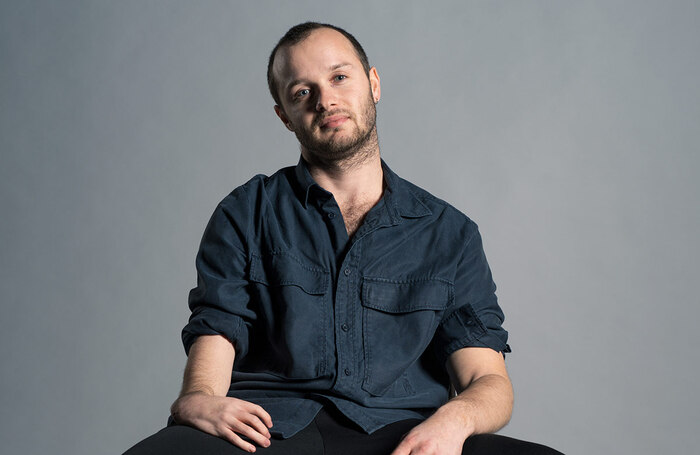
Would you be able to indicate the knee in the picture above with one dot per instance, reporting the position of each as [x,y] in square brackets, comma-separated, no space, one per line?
[492,443]
[172,440]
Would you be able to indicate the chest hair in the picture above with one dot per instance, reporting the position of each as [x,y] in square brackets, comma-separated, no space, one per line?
[353,215]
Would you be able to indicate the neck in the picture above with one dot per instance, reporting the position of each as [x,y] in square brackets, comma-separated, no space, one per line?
[360,183]
[356,189]
[357,177]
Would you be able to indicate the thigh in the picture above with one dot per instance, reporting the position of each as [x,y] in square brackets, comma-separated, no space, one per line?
[184,440]
[342,437]
[494,444]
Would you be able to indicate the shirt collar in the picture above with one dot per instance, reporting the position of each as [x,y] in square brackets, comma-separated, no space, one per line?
[305,181]
[398,197]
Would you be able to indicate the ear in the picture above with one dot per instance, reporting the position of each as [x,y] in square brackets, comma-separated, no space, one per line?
[374,84]
[280,113]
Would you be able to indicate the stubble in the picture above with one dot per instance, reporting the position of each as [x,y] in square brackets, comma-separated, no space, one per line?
[340,153]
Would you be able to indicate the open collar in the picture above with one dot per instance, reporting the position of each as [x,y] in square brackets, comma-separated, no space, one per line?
[399,200]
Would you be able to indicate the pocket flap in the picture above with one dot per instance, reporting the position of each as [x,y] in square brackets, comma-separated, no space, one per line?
[286,270]
[405,296]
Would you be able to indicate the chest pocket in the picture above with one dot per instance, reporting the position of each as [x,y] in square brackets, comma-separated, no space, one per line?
[290,335]
[399,322]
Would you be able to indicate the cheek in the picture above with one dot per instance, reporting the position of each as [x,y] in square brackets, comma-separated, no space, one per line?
[358,101]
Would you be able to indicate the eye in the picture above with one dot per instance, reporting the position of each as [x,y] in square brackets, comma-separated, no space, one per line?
[340,77]
[301,93]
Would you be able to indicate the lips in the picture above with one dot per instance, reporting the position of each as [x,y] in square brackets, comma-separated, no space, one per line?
[333,121]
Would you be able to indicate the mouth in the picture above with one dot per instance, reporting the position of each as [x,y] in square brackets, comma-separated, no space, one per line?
[333,121]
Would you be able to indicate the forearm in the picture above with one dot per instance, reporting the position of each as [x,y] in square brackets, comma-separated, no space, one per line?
[203,403]
[485,406]
[208,369]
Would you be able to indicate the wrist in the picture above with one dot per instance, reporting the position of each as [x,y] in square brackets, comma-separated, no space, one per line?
[180,408]
[460,414]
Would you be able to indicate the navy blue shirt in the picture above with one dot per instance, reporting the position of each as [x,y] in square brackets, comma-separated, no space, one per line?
[364,324]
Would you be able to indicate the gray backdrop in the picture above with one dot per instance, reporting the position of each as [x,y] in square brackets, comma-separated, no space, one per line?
[567,130]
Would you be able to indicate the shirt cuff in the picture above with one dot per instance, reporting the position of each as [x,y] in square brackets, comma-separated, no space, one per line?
[209,321]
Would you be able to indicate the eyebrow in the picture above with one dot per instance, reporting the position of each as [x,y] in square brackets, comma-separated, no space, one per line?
[335,67]
[338,66]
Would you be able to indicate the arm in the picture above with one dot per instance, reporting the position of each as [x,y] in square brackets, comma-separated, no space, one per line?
[484,404]
[203,403]
[485,394]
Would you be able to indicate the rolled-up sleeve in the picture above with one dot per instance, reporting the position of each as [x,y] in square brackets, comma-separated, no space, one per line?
[220,302]
[474,319]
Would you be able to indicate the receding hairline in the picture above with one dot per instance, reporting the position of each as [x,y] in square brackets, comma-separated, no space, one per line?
[357,48]
[286,47]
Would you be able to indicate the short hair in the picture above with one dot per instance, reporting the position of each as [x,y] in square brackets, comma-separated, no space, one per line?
[299,33]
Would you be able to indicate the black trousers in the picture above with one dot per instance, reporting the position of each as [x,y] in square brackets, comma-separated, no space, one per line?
[330,433]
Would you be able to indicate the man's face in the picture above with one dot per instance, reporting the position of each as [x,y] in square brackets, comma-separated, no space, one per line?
[327,100]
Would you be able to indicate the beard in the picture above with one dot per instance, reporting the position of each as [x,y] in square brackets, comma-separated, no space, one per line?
[334,150]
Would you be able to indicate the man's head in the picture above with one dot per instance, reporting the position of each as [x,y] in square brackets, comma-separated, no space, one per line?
[325,92]
[300,32]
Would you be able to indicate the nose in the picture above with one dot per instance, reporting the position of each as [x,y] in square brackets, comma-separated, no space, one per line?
[325,99]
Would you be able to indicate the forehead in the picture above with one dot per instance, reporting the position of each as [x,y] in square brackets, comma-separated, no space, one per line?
[318,52]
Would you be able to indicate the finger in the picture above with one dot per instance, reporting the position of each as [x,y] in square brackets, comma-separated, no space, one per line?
[257,424]
[249,432]
[262,414]
[236,440]
[402,449]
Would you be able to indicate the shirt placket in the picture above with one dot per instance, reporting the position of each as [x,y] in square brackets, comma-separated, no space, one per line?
[345,327]
[347,310]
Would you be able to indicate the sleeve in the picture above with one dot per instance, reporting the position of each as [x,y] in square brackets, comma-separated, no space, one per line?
[474,319]
[220,302]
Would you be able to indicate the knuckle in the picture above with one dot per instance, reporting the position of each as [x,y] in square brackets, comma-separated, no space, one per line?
[410,438]
[250,432]
[232,438]
[220,428]
[430,447]
[234,425]
[258,426]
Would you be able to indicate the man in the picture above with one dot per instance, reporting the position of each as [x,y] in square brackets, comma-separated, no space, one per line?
[336,303]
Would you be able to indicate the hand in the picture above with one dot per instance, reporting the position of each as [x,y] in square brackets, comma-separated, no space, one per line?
[440,434]
[224,417]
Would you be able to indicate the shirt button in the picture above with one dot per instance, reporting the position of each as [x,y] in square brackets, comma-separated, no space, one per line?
[348,372]
[345,327]
[331,215]
[347,272]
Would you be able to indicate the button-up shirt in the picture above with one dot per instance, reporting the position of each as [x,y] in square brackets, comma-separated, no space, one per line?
[362,323]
